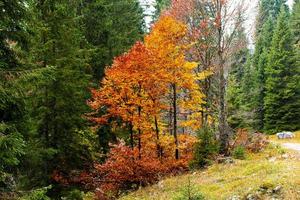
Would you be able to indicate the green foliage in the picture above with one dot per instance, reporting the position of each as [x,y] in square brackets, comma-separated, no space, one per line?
[282,85]
[239,153]
[74,195]
[205,149]
[189,192]
[160,6]
[121,25]
[11,146]
[37,194]
[267,16]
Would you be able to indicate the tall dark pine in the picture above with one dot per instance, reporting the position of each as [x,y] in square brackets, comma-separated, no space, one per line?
[59,100]
[266,20]
[12,108]
[111,27]
[267,9]
[282,100]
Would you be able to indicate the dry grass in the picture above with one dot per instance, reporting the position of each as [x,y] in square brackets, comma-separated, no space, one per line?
[221,181]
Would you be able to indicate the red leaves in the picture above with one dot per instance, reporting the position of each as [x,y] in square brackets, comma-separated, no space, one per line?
[123,170]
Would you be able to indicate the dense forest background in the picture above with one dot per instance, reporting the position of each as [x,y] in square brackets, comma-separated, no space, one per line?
[192,73]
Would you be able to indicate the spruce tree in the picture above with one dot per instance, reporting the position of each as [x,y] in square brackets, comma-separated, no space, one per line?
[267,16]
[111,27]
[58,102]
[12,107]
[282,100]
[234,95]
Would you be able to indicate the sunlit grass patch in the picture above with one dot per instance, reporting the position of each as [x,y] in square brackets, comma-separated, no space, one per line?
[221,181]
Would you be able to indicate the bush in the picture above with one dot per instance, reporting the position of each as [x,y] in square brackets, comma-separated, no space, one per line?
[74,194]
[124,170]
[206,149]
[189,193]
[38,194]
[239,153]
[253,142]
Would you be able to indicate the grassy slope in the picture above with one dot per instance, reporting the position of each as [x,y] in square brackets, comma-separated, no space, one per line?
[221,181]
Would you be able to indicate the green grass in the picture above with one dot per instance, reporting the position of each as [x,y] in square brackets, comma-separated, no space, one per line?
[221,181]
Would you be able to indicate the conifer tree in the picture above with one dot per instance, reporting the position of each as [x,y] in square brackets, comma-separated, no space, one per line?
[266,20]
[282,98]
[12,108]
[59,100]
[111,27]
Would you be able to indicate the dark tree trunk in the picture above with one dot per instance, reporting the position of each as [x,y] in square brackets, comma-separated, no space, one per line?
[139,135]
[131,136]
[158,147]
[175,121]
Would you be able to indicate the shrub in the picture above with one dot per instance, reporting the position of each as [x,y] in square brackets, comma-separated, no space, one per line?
[74,194]
[206,149]
[189,193]
[38,194]
[124,170]
[239,153]
[253,142]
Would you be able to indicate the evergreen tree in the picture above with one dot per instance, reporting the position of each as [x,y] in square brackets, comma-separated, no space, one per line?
[282,101]
[12,108]
[111,27]
[160,6]
[237,69]
[268,12]
[267,9]
[58,138]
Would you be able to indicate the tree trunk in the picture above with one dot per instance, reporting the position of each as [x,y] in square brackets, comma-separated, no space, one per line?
[158,147]
[223,133]
[131,136]
[139,135]
[175,121]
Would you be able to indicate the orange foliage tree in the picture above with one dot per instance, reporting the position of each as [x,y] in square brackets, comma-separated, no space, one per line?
[147,84]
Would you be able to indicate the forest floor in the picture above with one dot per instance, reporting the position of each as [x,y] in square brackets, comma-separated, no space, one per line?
[271,174]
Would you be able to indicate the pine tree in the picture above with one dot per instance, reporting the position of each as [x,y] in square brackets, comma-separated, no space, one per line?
[236,74]
[267,9]
[12,108]
[268,13]
[58,101]
[282,100]
[160,6]
[111,27]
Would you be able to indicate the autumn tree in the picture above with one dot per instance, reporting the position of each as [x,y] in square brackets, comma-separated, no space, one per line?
[213,32]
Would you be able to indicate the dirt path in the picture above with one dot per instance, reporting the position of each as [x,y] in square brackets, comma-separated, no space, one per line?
[292,146]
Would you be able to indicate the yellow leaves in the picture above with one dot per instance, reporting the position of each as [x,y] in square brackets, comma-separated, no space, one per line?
[190,65]
[203,75]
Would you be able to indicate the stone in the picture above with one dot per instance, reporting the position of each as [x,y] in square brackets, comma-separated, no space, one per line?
[235,197]
[277,189]
[285,135]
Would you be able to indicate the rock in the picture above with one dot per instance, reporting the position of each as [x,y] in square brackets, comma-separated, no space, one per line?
[285,135]
[235,197]
[160,184]
[252,197]
[277,189]
[285,156]
[273,159]
[225,160]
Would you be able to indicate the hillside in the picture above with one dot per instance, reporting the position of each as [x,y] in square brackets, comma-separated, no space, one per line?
[274,169]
